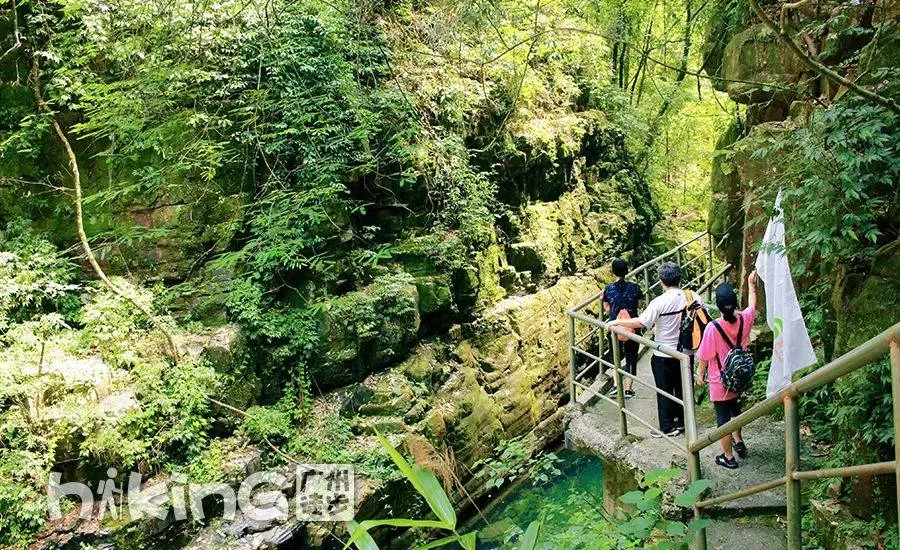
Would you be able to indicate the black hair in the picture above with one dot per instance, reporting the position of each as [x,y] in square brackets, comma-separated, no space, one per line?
[619,267]
[726,301]
[669,274]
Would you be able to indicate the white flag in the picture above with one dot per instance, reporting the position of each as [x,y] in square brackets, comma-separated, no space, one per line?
[791,349]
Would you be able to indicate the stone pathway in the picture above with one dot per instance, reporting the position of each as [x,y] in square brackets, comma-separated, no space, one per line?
[595,429]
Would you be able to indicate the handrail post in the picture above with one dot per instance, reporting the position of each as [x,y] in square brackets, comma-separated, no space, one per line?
[709,252]
[895,390]
[646,285]
[572,396]
[601,344]
[690,429]
[620,387]
[792,464]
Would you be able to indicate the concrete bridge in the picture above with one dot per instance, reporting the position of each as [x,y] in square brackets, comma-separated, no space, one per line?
[755,506]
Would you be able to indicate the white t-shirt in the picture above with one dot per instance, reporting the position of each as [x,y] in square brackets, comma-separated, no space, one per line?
[667,327]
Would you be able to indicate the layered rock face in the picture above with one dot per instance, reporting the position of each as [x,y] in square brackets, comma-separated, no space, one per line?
[756,69]
[780,93]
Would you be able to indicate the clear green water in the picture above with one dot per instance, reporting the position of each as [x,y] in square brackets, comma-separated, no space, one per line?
[570,504]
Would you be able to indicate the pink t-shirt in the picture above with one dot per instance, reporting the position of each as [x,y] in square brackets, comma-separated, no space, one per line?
[714,349]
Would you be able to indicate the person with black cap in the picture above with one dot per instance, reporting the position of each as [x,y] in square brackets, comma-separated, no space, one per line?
[733,328]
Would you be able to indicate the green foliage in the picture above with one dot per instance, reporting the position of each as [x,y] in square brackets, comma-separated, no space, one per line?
[644,523]
[22,503]
[513,460]
[172,424]
[838,175]
[34,277]
[428,486]
[465,198]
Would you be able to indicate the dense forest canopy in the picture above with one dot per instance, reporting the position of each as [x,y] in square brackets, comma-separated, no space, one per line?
[219,219]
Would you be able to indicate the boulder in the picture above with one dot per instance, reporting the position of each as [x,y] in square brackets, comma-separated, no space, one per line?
[756,55]
[864,303]
[584,227]
[435,294]
[367,329]
[503,380]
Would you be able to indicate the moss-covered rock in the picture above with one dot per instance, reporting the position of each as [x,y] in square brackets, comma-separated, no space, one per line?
[865,303]
[489,263]
[367,329]
[502,381]
[756,55]
[576,232]
[435,294]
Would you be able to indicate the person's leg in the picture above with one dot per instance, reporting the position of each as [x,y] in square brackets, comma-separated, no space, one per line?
[739,446]
[675,389]
[660,378]
[723,415]
[630,350]
[725,442]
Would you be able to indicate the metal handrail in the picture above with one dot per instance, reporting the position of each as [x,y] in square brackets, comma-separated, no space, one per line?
[687,386]
[859,357]
[665,255]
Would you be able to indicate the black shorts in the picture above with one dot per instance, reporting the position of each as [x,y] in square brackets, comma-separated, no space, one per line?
[726,410]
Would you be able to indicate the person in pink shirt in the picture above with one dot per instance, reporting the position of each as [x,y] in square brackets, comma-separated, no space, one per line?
[712,352]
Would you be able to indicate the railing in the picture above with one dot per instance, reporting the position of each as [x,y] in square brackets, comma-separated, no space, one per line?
[599,328]
[860,357]
[699,248]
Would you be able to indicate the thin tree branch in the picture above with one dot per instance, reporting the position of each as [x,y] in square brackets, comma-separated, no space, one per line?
[17,38]
[172,349]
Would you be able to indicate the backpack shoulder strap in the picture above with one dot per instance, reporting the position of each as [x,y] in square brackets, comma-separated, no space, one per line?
[680,310]
[724,336]
[740,331]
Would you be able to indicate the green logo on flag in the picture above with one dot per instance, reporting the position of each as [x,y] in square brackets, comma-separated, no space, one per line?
[777,326]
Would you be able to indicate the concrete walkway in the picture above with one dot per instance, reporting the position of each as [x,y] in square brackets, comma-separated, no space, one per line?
[595,429]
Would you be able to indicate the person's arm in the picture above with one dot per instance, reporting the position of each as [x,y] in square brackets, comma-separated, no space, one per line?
[634,322]
[751,290]
[705,353]
[645,320]
[701,372]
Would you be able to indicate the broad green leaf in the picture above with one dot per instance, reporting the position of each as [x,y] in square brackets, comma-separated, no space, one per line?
[360,537]
[687,499]
[402,522]
[698,524]
[675,528]
[467,541]
[632,497]
[530,538]
[425,483]
[661,475]
[438,501]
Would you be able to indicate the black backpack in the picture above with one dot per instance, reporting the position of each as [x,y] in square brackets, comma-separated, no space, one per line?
[694,319]
[737,372]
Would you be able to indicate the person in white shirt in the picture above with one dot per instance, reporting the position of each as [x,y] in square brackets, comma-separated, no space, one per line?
[664,311]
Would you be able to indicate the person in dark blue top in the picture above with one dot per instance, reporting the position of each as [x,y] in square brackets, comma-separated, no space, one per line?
[620,297]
